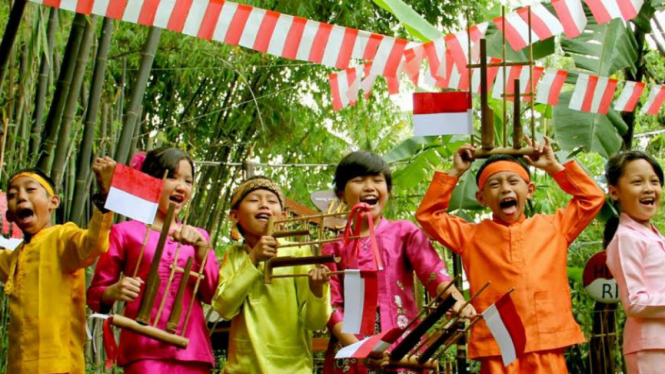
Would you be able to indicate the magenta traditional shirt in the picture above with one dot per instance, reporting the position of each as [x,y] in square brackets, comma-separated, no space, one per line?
[636,258]
[404,249]
[125,246]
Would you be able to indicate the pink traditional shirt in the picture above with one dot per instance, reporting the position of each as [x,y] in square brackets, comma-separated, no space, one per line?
[404,249]
[126,240]
[636,257]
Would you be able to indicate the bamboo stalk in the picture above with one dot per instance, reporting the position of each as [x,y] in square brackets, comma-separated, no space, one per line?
[174,318]
[9,36]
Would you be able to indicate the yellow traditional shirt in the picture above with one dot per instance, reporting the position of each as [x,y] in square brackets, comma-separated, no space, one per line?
[270,323]
[46,285]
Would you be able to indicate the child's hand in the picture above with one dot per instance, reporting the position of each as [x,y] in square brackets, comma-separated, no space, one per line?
[467,313]
[189,235]
[462,160]
[264,250]
[103,169]
[543,156]
[126,289]
[317,278]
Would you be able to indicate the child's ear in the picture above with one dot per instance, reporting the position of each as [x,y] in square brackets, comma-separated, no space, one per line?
[531,188]
[614,193]
[54,203]
[480,198]
[233,216]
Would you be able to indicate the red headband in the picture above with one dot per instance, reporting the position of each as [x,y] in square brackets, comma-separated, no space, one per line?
[500,166]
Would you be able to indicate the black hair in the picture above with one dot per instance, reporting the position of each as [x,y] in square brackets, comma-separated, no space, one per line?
[159,160]
[360,163]
[495,158]
[35,171]
[614,170]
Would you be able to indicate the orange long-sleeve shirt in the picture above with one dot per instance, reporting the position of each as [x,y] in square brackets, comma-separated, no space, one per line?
[529,255]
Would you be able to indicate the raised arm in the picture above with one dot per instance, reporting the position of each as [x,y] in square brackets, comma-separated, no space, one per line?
[83,246]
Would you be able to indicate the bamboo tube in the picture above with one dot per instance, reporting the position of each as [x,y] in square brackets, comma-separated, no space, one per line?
[487,115]
[149,331]
[174,318]
[517,117]
[196,289]
[152,285]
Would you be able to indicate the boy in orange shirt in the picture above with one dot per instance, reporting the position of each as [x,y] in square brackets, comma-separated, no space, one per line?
[512,251]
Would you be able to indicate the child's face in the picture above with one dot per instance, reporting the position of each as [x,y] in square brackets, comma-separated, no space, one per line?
[177,188]
[638,191]
[29,205]
[369,189]
[253,212]
[505,193]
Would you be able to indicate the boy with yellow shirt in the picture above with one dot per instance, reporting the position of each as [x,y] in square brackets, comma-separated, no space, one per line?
[44,277]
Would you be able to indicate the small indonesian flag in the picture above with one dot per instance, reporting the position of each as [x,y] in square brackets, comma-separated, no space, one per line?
[655,100]
[360,301]
[550,87]
[517,30]
[606,10]
[442,113]
[630,95]
[544,23]
[593,94]
[572,16]
[506,327]
[134,194]
[376,344]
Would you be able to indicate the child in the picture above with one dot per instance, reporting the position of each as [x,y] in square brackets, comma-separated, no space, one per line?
[636,256]
[270,323]
[528,254]
[45,278]
[363,177]
[113,279]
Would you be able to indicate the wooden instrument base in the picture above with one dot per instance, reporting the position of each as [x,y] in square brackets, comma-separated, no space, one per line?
[149,331]
[485,153]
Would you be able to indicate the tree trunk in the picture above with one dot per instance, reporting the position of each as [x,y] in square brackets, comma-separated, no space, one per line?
[42,87]
[85,154]
[149,50]
[60,159]
[61,92]
[8,38]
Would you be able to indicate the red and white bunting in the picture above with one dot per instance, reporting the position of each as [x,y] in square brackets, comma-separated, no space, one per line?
[606,10]
[571,15]
[655,100]
[593,94]
[413,60]
[455,79]
[543,23]
[517,30]
[262,30]
[458,44]
[550,86]
[344,86]
[436,55]
[630,95]
[516,72]
[491,76]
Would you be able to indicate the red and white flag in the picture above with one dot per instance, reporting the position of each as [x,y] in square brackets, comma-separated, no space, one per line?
[134,194]
[492,71]
[593,94]
[516,72]
[458,44]
[506,327]
[606,10]
[344,86]
[572,16]
[517,30]
[655,100]
[376,344]
[456,78]
[550,86]
[442,113]
[543,23]
[630,95]
[413,58]
[360,301]
[436,55]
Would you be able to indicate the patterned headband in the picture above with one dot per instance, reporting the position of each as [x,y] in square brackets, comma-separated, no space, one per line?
[256,184]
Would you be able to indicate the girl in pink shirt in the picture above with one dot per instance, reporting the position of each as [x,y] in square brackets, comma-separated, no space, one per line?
[363,177]
[636,257]
[113,279]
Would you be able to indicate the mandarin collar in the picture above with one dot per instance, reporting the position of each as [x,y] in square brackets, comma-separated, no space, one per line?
[38,236]
[501,222]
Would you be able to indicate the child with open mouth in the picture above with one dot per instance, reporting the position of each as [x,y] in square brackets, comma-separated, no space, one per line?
[636,258]
[512,251]
[45,278]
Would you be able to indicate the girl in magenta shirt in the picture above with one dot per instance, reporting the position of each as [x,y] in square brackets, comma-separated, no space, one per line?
[113,282]
[363,177]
